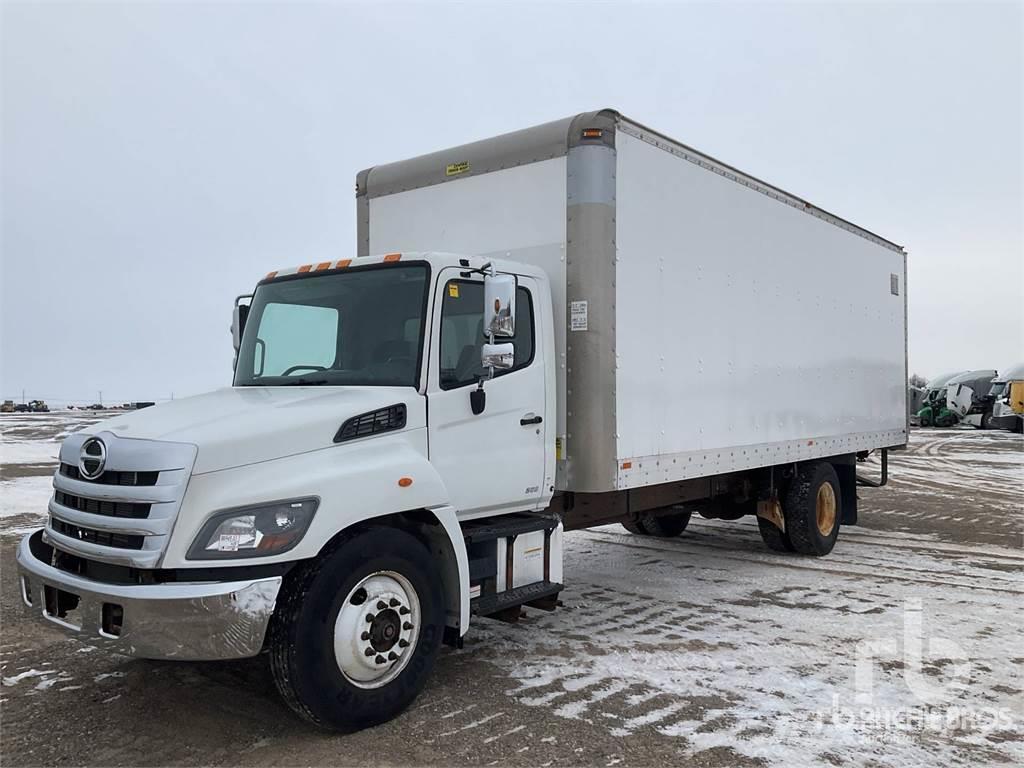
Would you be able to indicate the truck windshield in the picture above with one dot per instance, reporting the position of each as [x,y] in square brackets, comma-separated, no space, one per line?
[362,326]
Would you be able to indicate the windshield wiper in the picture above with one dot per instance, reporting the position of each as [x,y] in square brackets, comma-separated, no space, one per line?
[300,382]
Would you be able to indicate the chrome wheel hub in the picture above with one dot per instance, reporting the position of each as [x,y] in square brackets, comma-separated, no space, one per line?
[376,630]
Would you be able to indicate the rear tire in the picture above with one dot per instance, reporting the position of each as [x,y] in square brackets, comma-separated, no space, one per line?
[665,526]
[635,528]
[314,630]
[772,537]
[813,509]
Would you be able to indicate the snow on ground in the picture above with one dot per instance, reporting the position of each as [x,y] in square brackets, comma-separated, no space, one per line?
[711,638]
[28,452]
[23,503]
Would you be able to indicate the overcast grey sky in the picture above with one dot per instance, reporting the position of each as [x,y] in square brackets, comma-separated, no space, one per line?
[158,159]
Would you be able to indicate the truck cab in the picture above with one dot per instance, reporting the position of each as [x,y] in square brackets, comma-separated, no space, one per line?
[407,329]
[1006,397]
[379,406]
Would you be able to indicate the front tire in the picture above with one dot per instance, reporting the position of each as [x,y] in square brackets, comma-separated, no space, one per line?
[813,509]
[356,632]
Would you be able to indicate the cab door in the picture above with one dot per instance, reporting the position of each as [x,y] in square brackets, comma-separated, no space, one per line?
[491,462]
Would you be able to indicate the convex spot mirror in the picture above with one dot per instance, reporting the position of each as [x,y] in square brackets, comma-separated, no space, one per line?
[500,306]
[499,357]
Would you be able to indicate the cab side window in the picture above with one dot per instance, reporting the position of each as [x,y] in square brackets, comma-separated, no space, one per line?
[462,333]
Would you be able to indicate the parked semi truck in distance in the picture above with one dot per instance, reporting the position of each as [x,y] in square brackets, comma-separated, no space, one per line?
[961,397]
[1006,397]
[548,330]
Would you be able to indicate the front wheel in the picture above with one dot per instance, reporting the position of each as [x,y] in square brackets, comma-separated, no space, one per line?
[356,632]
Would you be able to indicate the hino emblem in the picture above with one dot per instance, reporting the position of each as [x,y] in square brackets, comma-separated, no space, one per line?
[92,458]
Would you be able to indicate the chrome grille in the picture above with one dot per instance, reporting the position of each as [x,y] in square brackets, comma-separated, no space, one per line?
[112,477]
[104,538]
[124,516]
[101,507]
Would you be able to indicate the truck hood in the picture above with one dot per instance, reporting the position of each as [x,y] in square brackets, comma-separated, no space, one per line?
[244,425]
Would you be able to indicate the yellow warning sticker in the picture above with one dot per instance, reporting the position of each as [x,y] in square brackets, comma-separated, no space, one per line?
[453,290]
[454,169]
[560,448]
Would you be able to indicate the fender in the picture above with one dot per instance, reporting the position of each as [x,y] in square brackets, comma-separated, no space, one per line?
[450,548]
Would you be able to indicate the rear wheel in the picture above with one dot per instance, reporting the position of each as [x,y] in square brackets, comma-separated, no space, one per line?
[665,526]
[355,633]
[812,509]
[772,537]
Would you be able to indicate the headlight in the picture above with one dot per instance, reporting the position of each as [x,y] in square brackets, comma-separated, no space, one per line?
[257,531]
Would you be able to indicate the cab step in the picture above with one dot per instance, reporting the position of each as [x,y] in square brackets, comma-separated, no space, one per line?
[514,560]
[540,594]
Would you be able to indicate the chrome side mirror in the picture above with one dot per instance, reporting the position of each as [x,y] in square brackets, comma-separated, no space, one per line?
[500,306]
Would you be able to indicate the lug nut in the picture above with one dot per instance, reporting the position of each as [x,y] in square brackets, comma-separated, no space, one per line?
[407,625]
[369,651]
[380,660]
[393,602]
[369,617]
[403,610]
[392,656]
[403,643]
[381,605]
[364,636]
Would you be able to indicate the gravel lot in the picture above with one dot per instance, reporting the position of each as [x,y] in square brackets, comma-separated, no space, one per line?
[903,647]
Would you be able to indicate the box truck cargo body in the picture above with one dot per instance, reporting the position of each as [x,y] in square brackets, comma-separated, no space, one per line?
[575,324]
[705,321]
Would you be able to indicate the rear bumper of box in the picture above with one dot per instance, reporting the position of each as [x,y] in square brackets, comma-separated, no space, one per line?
[186,621]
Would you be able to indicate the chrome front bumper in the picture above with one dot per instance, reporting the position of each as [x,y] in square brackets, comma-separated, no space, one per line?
[186,621]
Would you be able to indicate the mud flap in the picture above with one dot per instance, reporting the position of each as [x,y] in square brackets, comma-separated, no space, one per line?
[771,511]
[848,492]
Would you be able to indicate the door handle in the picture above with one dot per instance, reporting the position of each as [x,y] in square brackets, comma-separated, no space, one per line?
[529,419]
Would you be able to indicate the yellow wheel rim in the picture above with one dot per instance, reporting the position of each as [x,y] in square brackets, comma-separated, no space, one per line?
[826,509]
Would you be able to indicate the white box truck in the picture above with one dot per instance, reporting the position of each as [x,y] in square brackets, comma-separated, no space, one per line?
[575,324]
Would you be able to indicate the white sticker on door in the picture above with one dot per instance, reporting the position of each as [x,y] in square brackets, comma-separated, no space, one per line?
[577,316]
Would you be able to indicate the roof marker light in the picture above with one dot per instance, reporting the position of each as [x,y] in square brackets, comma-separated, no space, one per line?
[343,263]
[592,133]
[304,268]
[271,275]
[323,265]
[393,257]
